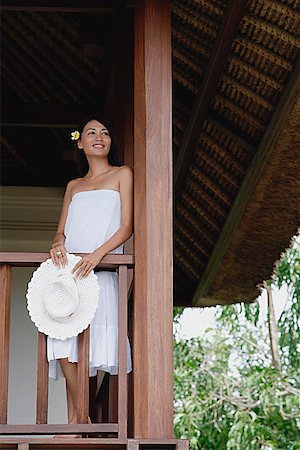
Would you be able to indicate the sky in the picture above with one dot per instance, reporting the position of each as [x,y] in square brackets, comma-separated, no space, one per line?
[194,321]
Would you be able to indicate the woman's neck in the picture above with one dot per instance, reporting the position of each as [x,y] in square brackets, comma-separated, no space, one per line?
[97,168]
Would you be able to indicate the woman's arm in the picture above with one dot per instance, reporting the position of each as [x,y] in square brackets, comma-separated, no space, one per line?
[59,238]
[89,262]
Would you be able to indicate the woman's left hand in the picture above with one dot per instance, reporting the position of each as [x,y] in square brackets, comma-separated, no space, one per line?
[87,263]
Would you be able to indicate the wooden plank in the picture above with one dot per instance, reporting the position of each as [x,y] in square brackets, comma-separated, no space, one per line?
[5,291]
[42,380]
[122,353]
[234,12]
[261,158]
[60,428]
[64,443]
[153,285]
[23,259]
[83,376]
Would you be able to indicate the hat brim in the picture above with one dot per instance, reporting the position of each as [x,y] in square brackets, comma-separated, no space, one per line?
[88,293]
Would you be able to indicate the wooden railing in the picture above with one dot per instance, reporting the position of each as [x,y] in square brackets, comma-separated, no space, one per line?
[120,263]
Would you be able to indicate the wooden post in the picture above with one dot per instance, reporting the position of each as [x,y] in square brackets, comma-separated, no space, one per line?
[23,446]
[5,290]
[122,354]
[83,376]
[123,84]
[153,337]
[42,380]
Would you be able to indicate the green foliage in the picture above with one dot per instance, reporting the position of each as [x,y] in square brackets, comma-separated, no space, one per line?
[227,395]
[288,272]
[177,313]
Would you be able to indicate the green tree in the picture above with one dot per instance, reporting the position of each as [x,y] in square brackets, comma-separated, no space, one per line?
[287,273]
[228,394]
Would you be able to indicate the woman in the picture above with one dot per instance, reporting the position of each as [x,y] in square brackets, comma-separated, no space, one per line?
[96,219]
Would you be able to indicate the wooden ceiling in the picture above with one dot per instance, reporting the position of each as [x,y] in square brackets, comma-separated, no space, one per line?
[56,63]
[235,81]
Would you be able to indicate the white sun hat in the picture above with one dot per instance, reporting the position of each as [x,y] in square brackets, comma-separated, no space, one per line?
[60,305]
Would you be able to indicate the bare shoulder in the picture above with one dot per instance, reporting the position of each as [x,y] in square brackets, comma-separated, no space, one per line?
[125,173]
[72,184]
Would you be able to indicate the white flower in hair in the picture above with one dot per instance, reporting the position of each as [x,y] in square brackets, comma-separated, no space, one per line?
[75,135]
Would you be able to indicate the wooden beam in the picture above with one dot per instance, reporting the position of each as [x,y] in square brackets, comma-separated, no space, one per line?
[261,158]
[234,12]
[5,290]
[153,303]
[59,428]
[23,259]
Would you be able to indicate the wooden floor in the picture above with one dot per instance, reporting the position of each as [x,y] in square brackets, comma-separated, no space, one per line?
[37,443]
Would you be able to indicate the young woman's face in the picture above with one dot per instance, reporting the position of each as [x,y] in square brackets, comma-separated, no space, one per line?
[95,139]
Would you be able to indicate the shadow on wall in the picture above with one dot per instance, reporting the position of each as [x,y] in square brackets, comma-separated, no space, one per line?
[23,361]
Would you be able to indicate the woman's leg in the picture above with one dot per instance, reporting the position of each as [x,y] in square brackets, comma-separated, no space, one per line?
[70,372]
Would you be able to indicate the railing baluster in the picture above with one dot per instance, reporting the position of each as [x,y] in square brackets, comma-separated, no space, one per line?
[83,376]
[122,372]
[113,399]
[42,380]
[5,290]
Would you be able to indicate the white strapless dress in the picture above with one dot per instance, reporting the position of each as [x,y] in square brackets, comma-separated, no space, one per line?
[93,217]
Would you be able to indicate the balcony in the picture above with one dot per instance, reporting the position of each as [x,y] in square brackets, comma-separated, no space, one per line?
[117,428]
[109,399]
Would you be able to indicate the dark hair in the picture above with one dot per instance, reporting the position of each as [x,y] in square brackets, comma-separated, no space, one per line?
[113,157]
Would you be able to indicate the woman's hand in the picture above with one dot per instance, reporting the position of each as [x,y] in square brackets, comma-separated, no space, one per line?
[87,263]
[58,254]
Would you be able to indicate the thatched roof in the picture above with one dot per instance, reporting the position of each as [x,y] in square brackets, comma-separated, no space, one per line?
[235,78]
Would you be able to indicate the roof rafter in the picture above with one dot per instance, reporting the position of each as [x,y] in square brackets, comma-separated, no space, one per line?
[239,140]
[233,14]
[262,156]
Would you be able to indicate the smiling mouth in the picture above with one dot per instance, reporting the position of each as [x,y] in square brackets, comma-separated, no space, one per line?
[98,146]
